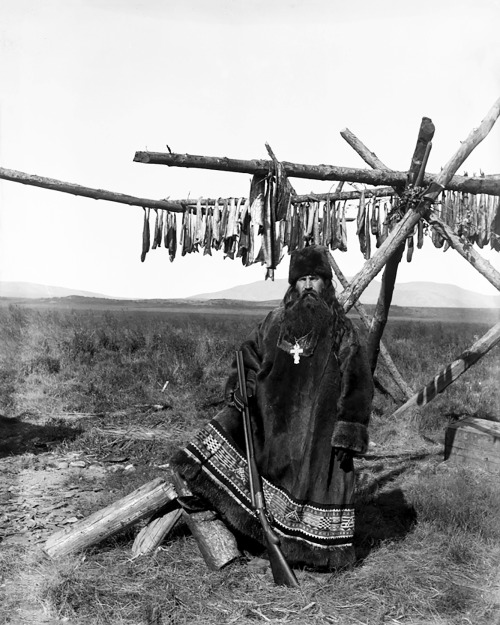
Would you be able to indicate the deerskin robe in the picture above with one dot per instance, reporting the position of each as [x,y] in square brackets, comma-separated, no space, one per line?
[299,413]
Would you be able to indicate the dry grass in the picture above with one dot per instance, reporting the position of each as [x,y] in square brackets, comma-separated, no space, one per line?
[427,534]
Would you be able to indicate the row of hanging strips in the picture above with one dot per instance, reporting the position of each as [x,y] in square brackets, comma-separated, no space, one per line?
[475,218]
[257,229]
[376,218]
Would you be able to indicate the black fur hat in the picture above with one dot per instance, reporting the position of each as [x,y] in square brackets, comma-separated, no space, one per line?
[311,260]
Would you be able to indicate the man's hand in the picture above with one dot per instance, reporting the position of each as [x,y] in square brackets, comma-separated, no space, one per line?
[239,402]
[343,455]
[251,386]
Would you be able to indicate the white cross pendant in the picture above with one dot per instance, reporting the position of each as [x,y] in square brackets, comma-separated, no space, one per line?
[296,351]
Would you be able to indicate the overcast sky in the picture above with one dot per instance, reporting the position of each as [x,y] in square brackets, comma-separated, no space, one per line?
[86,83]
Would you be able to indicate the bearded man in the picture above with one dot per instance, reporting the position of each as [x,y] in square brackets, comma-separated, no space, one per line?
[310,389]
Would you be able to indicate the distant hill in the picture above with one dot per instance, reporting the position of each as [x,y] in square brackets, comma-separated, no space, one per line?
[31,290]
[263,292]
[409,294]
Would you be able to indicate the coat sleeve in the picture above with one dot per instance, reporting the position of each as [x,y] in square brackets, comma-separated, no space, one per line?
[252,359]
[356,394]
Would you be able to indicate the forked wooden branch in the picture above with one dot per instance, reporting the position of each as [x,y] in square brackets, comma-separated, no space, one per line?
[410,219]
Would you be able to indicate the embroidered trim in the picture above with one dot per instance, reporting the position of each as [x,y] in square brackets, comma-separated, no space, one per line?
[321,526]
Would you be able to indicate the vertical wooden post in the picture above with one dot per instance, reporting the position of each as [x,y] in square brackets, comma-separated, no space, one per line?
[391,367]
[379,321]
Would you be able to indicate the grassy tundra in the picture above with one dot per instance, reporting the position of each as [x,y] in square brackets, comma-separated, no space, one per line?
[427,533]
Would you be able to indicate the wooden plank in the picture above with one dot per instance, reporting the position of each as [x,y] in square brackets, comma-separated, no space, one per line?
[476,449]
[485,464]
[465,184]
[473,424]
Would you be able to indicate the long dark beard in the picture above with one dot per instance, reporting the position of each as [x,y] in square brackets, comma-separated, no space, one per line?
[307,314]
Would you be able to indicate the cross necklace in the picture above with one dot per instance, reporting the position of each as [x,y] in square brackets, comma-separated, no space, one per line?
[296,350]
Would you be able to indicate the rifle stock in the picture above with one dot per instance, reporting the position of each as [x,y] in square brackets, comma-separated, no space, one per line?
[282,573]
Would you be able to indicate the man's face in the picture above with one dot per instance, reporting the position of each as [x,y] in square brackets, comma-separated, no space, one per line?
[310,283]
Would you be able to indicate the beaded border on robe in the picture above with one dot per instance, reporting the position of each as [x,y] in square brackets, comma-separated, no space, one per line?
[324,526]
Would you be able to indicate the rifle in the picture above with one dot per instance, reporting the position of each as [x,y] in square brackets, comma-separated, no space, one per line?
[282,573]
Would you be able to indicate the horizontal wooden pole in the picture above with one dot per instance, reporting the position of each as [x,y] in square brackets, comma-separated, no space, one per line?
[375,177]
[176,206]
[96,194]
[452,371]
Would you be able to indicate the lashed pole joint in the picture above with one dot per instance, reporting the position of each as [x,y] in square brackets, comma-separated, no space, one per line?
[410,219]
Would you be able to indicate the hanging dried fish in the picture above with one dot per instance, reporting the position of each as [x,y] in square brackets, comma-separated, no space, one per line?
[343,229]
[385,224]
[156,230]
[495,224]
[171,236]
[374,219]
[204,218]
[327,223]
[185,233]
[336,237]
[244,233]
[269,231]
[316,231]
[230,230]
[288,227]
[409,248]
[224,219]
[216,219]
[256,200]
[481,220]
[294,230]
[368,243]
[436,238]
[160,228]
[360,222]
[207,242]
[303,214]
[145,235]
[197,238]
[420,234]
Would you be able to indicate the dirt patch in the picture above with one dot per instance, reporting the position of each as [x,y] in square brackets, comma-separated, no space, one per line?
[36,501]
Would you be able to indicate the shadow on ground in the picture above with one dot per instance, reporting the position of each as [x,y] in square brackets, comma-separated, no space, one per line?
[18,436]
[388,516]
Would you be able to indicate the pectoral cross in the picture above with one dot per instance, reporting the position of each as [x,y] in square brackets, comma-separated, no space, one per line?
[296,351]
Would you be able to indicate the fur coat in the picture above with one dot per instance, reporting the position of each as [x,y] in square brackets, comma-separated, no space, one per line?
[299,413]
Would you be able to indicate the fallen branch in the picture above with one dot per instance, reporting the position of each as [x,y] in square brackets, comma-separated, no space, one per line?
[154,533]
[452,371]
[106,522]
